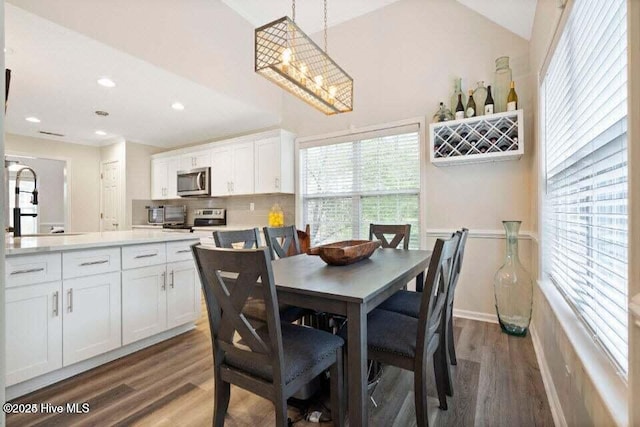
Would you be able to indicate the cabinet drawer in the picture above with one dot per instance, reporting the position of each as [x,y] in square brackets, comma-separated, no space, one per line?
[143,255]
[180,251]
[31,269]
[87,263]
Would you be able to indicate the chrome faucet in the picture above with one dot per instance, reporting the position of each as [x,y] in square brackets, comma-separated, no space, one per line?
[17,215]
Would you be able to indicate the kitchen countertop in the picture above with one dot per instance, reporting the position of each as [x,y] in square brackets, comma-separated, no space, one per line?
[60,242]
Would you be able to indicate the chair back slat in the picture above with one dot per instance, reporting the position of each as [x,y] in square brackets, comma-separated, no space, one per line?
[282,241]
[248,238]
[400,233]
[434,296]
[457,268]
[250,273]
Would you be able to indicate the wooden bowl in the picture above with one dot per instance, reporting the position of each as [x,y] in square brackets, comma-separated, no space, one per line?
[345,252]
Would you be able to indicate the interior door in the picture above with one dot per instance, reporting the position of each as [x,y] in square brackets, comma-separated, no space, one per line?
[183,299]
[111,188]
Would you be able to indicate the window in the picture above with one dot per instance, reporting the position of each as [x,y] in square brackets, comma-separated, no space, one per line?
[584,127]
[350,182]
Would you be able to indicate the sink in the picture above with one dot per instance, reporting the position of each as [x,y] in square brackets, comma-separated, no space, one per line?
[48,234]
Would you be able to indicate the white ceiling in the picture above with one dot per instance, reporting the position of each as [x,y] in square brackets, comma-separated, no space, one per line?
[309,14]
[514,15]
[54,73]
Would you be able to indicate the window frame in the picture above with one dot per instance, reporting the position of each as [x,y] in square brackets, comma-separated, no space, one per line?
[330,139]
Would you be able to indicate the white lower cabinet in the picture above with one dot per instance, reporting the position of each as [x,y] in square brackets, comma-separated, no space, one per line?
[183,302]
[91,316]
[33,331]
[144,302]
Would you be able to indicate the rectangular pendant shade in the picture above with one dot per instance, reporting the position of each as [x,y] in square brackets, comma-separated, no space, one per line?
[285,55]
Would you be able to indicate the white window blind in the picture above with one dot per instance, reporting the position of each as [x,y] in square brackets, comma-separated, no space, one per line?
[350,182]
[584,126]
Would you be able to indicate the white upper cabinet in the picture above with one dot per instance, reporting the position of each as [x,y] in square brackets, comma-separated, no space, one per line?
[164,178]
[232,169]
[196,159]
[221,171]
[274,164]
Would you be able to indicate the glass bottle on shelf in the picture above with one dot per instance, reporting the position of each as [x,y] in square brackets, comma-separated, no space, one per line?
[457,90]
[459,108]
[471,106]
[480,96]
[443,114]
[512,98]
[513,287]
[488,103]
[503,77]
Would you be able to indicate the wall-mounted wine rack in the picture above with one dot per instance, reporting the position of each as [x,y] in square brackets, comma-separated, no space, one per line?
[488,138]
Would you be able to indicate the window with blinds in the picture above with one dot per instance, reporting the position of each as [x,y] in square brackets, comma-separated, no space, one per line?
[584,128]
[350,182]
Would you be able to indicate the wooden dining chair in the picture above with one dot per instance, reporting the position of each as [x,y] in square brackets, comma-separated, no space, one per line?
[400,233]
[282,241]
[408,342]
[254,307]
[273,361]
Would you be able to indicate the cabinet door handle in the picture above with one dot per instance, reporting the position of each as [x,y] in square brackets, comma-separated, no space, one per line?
[146,255]
[171,282]
[70,300]
[277,182]
[55,304]
[102,261]
[26,271]
[183,251]
[164,281]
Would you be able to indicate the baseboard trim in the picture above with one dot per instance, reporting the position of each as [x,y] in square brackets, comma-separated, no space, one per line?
[53,377]
[552,396]
[475,315]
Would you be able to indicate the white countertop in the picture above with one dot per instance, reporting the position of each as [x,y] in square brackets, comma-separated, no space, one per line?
[60,242]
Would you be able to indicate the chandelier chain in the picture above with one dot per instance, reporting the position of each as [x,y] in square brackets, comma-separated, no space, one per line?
[293,10]
[325,26]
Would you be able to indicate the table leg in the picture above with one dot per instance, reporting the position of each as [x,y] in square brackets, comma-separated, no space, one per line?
[420,282]
[357,364]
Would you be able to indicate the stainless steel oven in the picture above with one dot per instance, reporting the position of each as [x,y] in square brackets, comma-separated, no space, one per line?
[194,182]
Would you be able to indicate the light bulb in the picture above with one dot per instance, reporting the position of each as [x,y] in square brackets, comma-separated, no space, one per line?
[303,73]
[332,94]
[318,80]
[286,59]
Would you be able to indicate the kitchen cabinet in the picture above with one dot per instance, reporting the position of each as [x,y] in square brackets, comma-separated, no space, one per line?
[164,178]
[91,316]
[183,297]
[274,164]
[144,302]
[198,159]
[232,169]
[33,331]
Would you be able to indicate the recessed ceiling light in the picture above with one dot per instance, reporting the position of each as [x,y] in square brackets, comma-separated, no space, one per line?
[102,113]
[106,82]
[177,106]
[101,133]
[32,119]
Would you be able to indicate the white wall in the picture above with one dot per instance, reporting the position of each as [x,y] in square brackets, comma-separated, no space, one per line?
[83,174]
[403,59]
[138,183]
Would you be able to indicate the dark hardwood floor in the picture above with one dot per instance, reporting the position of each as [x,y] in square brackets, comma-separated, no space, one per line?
[496,383]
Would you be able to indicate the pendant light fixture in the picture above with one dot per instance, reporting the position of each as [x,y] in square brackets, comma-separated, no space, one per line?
[289,58]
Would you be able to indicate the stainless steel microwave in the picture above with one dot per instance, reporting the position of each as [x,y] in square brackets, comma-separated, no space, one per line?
[194,183]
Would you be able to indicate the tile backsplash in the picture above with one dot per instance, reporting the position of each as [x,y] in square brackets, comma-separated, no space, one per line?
[238,208]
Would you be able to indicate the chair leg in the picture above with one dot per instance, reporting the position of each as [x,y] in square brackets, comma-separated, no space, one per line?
[337,388]
[280,403]
[450,341]
[221,400]
[420,396]
[439,362]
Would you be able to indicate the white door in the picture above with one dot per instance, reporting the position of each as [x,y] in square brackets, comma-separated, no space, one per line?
[221,171]
[33,331]
[183,300]
[243,169]
[173,165]
[267,160]
[144,302]
[159,174]
[91,316]
[110,196]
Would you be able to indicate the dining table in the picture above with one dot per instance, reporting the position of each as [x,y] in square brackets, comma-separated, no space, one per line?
[351,291]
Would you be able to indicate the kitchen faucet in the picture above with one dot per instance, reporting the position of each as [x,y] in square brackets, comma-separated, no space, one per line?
[17,215]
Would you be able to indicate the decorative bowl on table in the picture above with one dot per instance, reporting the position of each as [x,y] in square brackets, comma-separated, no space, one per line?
[345,252]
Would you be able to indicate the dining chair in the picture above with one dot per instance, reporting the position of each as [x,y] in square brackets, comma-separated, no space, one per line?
[408,342]
[254,307]
[273,361]
[401,233]
[282,241]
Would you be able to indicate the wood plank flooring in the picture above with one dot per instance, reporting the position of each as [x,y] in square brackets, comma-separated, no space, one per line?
[496,383]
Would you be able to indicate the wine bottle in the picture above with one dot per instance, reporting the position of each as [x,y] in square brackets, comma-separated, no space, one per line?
[459,108]
[471,105]
[488,104]
[512,98]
